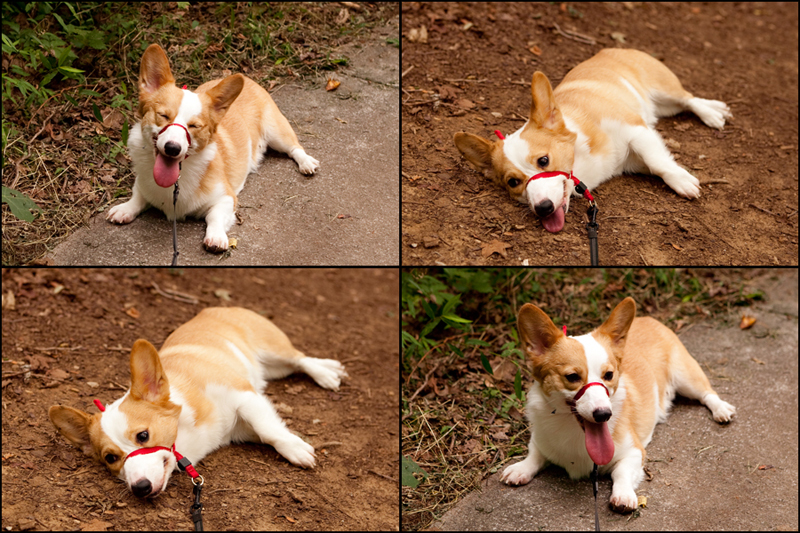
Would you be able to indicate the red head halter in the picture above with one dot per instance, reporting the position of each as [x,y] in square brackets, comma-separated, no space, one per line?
[183,463]
[581,188]
[583,389]
[188,137]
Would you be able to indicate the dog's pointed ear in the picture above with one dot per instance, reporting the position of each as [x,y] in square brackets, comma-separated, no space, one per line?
[225,92]
[477,150]
[544,111]
[74,425]
[154,71]
[536,331]
[149,382]
[619,321]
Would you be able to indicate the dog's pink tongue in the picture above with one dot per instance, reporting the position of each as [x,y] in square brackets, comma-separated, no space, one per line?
[555,221]
[166,170]
[598,442]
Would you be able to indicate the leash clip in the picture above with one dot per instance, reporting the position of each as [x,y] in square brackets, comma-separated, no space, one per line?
[197,508]
[591,228]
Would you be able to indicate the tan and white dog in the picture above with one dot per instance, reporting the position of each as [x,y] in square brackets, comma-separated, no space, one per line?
[597,398]
[211,138]
[598,123]
[203,390]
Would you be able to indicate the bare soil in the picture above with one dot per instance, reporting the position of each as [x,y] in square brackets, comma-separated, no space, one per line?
[473,74]
[66,340]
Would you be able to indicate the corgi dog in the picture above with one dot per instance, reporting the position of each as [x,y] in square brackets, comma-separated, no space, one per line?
[203,390]
[211,138]
[598,123]
[597,398]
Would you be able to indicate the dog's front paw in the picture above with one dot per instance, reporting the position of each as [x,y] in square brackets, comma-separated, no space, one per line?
[683,183]
[216,241]
[518,474]
[623,501]
[296,451]
[123,213]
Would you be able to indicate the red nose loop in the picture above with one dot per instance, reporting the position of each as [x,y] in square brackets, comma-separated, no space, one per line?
[143,451]
[583,389]
[188,138]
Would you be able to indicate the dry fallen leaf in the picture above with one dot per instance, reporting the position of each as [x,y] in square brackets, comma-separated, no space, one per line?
[418,35]
[332,84]
[463,103]
[747,321]
[495,247]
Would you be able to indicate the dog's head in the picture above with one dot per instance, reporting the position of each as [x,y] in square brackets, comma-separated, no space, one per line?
[180,122]
[132,437]
[543,144]
[583,372]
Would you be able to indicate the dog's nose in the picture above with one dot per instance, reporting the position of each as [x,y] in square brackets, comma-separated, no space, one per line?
[172,149]
[544,208]
[601,415]
[142,488]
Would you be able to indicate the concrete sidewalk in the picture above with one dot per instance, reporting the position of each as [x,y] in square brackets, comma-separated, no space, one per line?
[706,476]
[346,214]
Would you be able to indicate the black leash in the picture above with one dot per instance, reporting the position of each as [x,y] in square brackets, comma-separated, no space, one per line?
[591,227]
[197,508]
[175,222]
[594,487]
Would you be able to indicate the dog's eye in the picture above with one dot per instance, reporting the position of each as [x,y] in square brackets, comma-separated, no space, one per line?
[543,161]
[165,117]
[608,376]
[142,437]
[194,126]
[513,182]
[110,458]
[573,378]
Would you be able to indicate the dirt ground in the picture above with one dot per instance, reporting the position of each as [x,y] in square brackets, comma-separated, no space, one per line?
[474,73]
[66,339]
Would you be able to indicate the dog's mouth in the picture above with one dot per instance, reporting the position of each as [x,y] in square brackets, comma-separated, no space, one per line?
[599,444]
[166,169]
[554,222]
